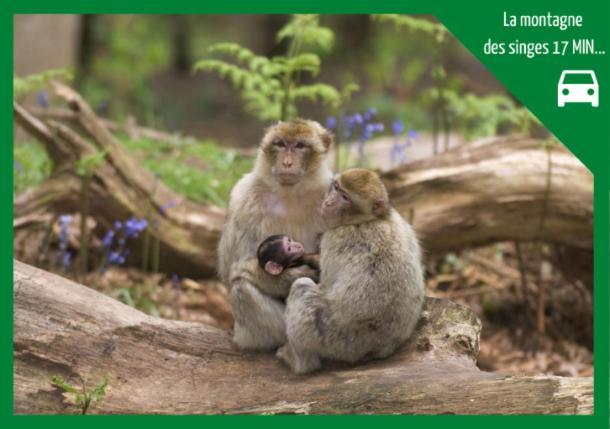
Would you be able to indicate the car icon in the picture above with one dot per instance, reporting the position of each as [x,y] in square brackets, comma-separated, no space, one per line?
[578,86]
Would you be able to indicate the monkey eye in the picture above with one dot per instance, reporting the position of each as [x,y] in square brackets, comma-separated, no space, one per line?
[300,145]
[344,196]
[279,143]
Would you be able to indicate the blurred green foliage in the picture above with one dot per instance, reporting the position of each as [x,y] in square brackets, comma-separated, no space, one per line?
[270,87]
[475,116]
[200,170]
[130,51]
[32,165]
[140,297]
[26,84]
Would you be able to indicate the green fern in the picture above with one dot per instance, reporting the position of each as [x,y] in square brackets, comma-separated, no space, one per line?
[82,398]
[414,24]
[270,87]
[34,82]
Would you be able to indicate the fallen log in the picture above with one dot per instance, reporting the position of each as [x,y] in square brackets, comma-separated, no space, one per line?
[508,188]
[497,189]
[153,365]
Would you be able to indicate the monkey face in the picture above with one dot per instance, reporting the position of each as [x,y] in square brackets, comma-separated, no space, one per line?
[336,203]
[294,149]
[277,252]
[356,196]
[292,249]
[290,159]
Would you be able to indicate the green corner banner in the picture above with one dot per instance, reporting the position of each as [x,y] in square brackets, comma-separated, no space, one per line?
[548,53]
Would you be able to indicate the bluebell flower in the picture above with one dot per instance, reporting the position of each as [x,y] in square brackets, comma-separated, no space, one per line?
[18,166]
[331,122]
[133,227]
[369,114]
[64,222]
[176,281]
[398,153]
[397,127]
[117,225]
[66,259]
[115,257]
[65,219]
[369,129]
[42,99]
[108,238]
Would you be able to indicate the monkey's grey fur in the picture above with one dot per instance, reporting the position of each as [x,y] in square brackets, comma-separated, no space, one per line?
[260,206]
[368,301]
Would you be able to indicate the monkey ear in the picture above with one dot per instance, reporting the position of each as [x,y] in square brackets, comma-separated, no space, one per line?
[273,268]
[380,207]
[327,138]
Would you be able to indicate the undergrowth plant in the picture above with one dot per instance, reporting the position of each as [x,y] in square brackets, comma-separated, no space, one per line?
[271,87]
[34,82]
[82,397]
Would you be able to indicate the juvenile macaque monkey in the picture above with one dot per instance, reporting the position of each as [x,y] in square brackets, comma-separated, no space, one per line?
[278,252]
[282,195]
[371,286]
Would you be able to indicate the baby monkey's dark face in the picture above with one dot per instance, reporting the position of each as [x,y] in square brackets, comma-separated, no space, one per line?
[277,253]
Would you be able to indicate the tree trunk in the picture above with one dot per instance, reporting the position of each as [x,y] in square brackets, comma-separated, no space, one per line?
[153,365]
[491,190]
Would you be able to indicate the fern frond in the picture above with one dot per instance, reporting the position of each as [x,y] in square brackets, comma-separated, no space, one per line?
[317,92]
[414,24]
[308,30]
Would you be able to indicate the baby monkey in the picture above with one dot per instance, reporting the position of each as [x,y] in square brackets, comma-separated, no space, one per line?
[278,252]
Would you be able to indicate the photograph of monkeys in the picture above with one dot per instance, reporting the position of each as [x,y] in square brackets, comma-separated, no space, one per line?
[312,214]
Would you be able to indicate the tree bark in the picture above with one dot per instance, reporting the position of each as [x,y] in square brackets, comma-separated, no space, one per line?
[496,189]
[490,190]
[153,365]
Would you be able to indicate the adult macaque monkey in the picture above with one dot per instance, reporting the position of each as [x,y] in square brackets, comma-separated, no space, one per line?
[371,288]
[282,195]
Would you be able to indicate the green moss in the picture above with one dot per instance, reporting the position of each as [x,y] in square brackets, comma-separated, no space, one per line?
[202,171]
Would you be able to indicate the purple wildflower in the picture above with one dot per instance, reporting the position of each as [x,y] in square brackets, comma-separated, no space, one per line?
[331,122]
[369,114]
[133,227]
[42,99]
[398,154]
[108,238]
[64,222]
[397,127]
[115,257]
[66,259]
[176,281]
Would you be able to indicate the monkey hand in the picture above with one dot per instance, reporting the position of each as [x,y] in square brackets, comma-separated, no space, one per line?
[291,274]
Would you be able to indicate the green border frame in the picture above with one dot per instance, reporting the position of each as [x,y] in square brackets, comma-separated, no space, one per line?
[585,131]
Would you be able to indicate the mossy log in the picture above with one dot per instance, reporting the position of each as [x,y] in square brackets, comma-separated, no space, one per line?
[65,329]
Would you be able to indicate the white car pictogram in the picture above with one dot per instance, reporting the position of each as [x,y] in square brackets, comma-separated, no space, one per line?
[578,86]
